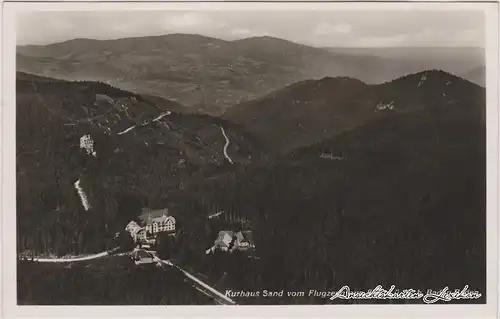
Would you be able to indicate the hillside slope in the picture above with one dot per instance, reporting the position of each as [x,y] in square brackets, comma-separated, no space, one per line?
[118,147]
[310,111]
[398,201]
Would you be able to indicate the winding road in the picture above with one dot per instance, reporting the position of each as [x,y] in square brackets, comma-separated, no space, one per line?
[198,284]
[206,289]
[67,260]
[162,116]
[156,119]
[127,130]
[83,197]
[226,145]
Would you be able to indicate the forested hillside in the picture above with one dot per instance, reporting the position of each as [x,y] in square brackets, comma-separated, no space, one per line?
[310,111]
[398,201]
[111,281]
[142,155]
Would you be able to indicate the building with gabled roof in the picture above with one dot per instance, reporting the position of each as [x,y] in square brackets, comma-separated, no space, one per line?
[157,220]
[153,223]
[229,241]
[147,214]
[141,256]
[134,229]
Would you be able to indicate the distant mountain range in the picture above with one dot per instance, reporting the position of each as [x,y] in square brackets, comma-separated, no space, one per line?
[467,62]
[210,75]
[309,111]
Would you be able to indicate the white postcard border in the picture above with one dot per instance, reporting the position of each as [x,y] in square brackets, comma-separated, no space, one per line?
[9,294]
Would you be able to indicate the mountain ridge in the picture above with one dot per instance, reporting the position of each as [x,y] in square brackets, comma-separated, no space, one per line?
[309,112]
[326,221]
[204,74]
[406,171]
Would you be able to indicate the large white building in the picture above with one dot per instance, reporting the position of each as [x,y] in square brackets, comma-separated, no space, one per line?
[87,143]
[160,224]
[154,222]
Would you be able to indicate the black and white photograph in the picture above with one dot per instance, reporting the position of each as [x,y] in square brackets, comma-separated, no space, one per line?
[194,156]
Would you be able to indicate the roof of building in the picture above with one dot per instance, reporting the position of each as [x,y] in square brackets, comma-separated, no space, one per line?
[133,227]
[163,218]
[240,237]
[141,253]
[147,213]
[222,233]
[248,236]
[225,237]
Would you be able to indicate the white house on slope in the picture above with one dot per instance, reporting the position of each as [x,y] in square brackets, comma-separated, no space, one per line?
[133,228]
[87,143]
[157,220]
[153,223]
[160,224]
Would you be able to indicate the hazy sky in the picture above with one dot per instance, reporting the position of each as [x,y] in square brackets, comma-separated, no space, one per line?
[320,28]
